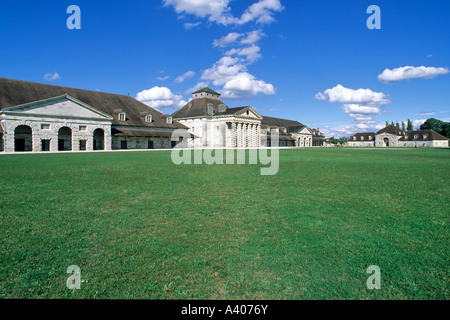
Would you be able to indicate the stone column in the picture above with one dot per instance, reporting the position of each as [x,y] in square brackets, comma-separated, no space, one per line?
[239,135]
[233,135]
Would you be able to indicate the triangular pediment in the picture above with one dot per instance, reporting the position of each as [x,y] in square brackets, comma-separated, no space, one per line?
[249,112]
[62,106]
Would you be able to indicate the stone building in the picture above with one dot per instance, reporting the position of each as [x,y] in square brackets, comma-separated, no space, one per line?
[40,117]
[392,136]
[214,124]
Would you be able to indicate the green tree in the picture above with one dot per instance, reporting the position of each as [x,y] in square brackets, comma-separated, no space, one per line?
[387,123]
[392,123]
[403,126]
[409,126]
[433,124]
[397,125]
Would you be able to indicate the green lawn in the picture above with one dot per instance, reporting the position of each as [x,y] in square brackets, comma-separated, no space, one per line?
[141,227]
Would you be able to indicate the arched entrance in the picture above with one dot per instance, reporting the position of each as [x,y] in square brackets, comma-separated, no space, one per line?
[99,139]
[386,142]
[65,139]
[23,138]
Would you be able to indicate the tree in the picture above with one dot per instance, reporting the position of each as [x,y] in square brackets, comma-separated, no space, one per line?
[392,123]
[342,140]
[439,126]
[397,125]
[387,123]
[409,126]
[433,124]
[446,130]
[403,126]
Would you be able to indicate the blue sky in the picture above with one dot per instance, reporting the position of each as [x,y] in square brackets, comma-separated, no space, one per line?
[311,61]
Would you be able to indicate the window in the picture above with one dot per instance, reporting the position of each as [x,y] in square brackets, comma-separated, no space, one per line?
[45,126]
[148,118]
[425,136]
[45,145]
[370,137]
[169,120]
[122,116]
[83,128]
[354,138]
[83,145]
[362,137]
[416,136]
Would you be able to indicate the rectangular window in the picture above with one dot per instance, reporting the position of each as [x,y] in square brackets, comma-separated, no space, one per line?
[123,145]
[150,144]
[45,126]
[83,128]
[82,145]
[148,118]
[45,145]
[122,116]
[169,120]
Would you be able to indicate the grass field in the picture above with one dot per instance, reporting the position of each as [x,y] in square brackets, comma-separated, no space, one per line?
[140,227]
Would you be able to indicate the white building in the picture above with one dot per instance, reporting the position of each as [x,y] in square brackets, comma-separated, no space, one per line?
[392,136]
[40,117]
[214,124]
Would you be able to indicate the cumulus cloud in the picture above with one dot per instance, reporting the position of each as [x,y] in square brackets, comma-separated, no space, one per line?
[250,53]
[360,104]
[160,98]
[245,85]
[186,75]
[237,83]
[351,96]
[219,11]
[408,72]
[51,76]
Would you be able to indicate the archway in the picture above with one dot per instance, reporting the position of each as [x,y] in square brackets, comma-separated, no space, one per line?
[23,138]
[65,139]
[99,139]
[386,142]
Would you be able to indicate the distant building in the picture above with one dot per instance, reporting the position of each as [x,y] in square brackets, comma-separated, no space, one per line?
[392,136]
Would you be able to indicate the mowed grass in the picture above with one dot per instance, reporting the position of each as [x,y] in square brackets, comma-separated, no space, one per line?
[140,227]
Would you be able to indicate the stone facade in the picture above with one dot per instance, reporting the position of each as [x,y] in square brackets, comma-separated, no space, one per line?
[392,136]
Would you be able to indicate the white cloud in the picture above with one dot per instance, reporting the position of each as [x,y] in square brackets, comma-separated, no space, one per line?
[186,75]
[226,40]
[198,86]
[351,96]
[237,83]
[190,26]
[160,98]
[163,78]
[261,11]
[408,72]
[219,11]
[245,86]
[360,105]
[250,53]
[253,37]
[49,76]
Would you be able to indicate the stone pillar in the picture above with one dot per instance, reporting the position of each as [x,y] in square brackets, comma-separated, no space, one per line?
[239,135]
[8,142]
[233,135]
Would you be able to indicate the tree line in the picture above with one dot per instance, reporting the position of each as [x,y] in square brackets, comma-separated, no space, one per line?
[437,125]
